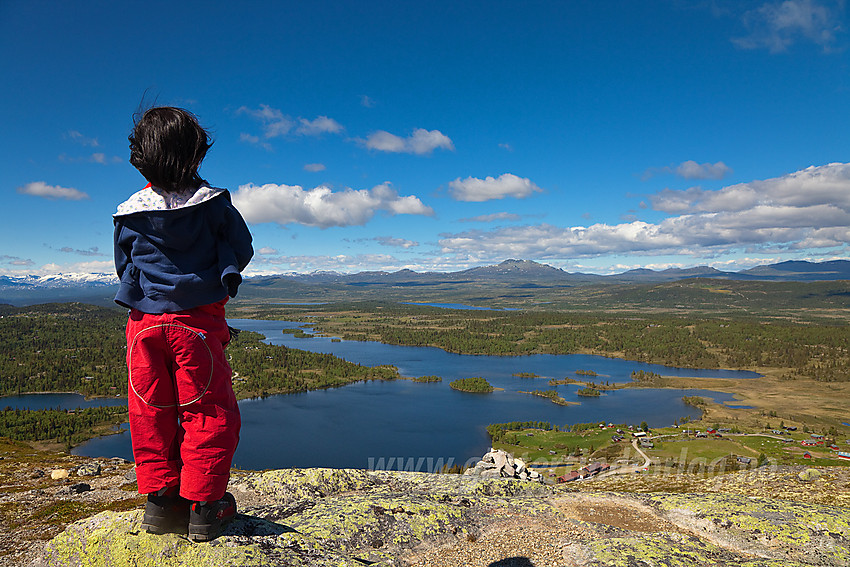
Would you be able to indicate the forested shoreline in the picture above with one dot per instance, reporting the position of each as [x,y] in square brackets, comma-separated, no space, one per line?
[65,426]
[805,350]
[80,348]
[75,347]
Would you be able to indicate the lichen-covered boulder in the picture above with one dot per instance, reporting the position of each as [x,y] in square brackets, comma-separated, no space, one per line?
[309,517]
[339,517]
[812,534]
[681,530]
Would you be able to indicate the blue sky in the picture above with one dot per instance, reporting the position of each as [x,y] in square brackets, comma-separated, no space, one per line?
[437,136]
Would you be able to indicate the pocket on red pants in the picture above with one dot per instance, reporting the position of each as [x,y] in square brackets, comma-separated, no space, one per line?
[170,365]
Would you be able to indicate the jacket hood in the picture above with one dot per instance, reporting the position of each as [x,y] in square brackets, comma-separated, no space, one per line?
[169,220]
[152,199]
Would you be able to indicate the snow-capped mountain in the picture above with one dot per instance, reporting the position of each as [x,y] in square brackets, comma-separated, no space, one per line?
[58,280]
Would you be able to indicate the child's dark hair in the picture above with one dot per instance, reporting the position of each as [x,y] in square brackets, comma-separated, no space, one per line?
[167,146]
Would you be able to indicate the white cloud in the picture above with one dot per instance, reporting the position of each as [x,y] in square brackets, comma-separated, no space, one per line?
[320,125]
[87,267]
[42,189]
[420,142]
[254,140]
[276,124]
[340,263]
[366,101]
[267,251]
[320,206]
[691,170]
[82,140]
[25,268]
[776,26]
[96,157]
[314,167]
[16,261]
[802,210]
[478,190]
[493,218]
[93,251]
[821,185]
[385,142]
[395,242]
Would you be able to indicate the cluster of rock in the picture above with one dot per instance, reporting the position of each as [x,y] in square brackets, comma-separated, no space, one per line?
[86,469]
[500,464]
[349,518]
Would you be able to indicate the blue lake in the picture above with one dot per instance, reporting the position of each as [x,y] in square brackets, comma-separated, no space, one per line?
[64,401]
[366,424]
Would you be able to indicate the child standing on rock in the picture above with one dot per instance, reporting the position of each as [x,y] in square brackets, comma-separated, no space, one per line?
[180,246]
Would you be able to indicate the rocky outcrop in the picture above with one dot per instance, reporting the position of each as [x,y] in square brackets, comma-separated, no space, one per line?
[342,517]
[500,464]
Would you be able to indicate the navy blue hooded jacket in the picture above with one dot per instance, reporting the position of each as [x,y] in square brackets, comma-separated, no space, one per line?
[177,251]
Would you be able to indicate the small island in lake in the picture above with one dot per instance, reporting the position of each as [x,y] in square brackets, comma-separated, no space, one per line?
[429,378]
[567,380]
[476,385]
[525,375]
[552,395]
[588,392]
[586,373]
[297,333]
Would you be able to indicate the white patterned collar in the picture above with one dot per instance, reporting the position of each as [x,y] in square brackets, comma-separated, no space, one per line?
[153,199]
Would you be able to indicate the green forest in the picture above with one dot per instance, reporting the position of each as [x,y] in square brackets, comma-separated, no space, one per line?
[67,426]
[816,351]
[76,347]
[62,347]
[81,348]
[261,370]
[475,384]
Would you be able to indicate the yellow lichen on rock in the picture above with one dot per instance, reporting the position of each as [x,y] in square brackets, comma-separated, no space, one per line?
[340,517]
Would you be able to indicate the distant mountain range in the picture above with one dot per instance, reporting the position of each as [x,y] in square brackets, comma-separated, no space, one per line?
[58,280]
[518,273]
[534,272]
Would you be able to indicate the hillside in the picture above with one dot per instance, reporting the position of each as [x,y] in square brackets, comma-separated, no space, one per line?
[520,281]
[343,517]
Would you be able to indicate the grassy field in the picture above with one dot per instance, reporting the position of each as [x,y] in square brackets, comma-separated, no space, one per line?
[776,400]
[674,449]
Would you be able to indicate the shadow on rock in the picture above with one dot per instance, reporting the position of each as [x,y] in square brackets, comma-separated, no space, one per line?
[512,562]
[252,526]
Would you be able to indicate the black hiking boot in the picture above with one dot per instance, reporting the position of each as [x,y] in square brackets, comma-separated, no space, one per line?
[166,512]
[208,519]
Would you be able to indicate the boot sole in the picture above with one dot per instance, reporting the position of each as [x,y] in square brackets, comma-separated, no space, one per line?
[160,525]
[202,536]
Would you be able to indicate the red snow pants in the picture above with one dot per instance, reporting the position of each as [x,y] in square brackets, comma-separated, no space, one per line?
[184,421]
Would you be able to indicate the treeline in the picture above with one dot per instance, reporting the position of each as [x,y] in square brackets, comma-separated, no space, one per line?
[62,347]
[66,426]
[428,378]
[77,347]
[694,401]
[645,378]
[552,395]
[588,392]
[261,370]
[496,431]
[475,384]
[817,352]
